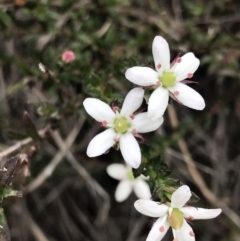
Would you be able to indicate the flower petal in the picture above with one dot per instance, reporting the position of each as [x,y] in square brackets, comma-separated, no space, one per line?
[161,54]
[141,189]
[143,76]
[142,124]
[130,150]
[158,103]
[101,143]
[188,65]
[132,101]
[117,171]
[180,196]
[185,233]
[99,110]
[159,229]
[151,208]
[123,191]
[200,213]
[188,96]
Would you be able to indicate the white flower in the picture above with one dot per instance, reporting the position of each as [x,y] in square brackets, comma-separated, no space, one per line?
[167,78]
[121,126]
[128,183]
[174,215]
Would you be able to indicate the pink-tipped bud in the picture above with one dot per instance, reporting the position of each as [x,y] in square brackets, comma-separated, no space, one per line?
[68,56]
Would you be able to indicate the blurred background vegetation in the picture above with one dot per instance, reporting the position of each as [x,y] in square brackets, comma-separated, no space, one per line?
[69,196]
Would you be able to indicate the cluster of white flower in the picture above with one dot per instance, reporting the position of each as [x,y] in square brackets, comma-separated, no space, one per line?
[123,125]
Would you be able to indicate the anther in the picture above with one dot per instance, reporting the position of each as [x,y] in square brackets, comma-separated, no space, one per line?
[159,66]
[104,123]
[161,229]
[116,139]
[175,239]
[115,108]
[176,93]
[159,83]
[191,218]
[134,132]
[191,233]
[189,75]
[179,59]
[132,116]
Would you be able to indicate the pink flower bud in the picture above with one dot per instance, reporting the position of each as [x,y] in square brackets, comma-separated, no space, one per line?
[68,56]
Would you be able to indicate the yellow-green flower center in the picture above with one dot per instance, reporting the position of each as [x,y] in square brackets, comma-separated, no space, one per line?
[168,79]
[130,176]
[121,125]
[175,219]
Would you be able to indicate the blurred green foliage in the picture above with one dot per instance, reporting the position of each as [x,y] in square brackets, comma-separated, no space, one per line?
[107,37]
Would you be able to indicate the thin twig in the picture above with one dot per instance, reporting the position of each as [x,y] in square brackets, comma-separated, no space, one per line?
[103,213]
[180,156]
[35,229]
[48,170]
[22,143]
[196,176]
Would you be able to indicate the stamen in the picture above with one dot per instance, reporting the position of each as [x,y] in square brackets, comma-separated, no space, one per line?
[191,233]
[134,132]
[161,229]
[191,218]
[176,93]
[175,239]
[115,108]
[176,99]
[170,216]
[104,123]
[159,66]
[132,116]
[159,83]
[116,139]
[189,75]
[179,59]
[175,61]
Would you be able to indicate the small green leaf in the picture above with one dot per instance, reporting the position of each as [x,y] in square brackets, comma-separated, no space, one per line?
[8,192]
[16,87]
[4,230]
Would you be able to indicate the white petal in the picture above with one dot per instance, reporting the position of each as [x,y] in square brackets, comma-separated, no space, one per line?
[180,196]
[158,103]
[101,143]
[117,171]
[188,96]
[123,191]
[143,124]
[130,150]
[99,110]
[159,229]
[200,213]
[141,189]
[151,208]
[188,65]
[185,233]
[143,76]
[132,101]
[161,54]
